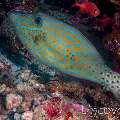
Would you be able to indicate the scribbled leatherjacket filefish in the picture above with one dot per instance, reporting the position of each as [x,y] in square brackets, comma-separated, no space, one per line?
[63,47]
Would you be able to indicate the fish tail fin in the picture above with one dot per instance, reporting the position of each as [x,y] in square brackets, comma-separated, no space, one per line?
[113,83]
[109,79]
[76,5]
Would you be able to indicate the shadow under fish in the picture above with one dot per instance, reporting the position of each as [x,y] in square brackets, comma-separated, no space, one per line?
[62,47]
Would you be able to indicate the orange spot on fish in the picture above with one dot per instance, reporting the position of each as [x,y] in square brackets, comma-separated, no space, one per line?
[27,18]
[60,46]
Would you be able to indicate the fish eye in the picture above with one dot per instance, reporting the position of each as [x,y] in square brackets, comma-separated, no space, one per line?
[95,11]
[38,20]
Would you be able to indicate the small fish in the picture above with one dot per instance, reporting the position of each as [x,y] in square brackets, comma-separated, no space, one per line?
[88,7]
[64,48]
[105,21]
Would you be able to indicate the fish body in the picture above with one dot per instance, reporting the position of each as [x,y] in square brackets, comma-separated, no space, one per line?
[63,47]
[105,21]
[88,7]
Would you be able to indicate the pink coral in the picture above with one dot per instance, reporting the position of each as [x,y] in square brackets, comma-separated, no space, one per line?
[52,107]
[28,115]
[13,101]
[56,107]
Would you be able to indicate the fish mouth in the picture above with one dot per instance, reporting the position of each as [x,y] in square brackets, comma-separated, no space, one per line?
[11,45]
[8,31]
[96,12]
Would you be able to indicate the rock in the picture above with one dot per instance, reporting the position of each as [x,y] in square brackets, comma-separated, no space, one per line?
[60,118]
[26,105]
[30,94]
[28,115]
[13,101]
[25,75]
[112,41]
[4,66]
[17,116]
[37,85]
[38,100]
[2,117]
[9,90]
[2,88]
[39,114]
[53,86]
[23,87]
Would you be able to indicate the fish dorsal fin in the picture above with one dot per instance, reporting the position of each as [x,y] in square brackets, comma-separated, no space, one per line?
[79,3]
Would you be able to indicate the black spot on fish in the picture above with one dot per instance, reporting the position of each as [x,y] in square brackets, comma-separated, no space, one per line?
[36,39]
[39,37]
